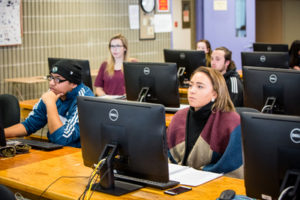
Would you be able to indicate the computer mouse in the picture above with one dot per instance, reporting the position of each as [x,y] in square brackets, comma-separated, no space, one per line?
[227,195]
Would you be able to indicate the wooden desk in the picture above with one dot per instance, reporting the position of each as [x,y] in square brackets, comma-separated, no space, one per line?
[169,117]
[240,72]
[94,72]
[27,106]
[35,171]
[25,80]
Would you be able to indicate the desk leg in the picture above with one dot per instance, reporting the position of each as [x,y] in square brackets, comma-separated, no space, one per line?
[18,92]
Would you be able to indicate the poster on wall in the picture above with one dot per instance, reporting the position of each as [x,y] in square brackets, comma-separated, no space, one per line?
[147,25]
[186,14]
[10,22]
[162,5]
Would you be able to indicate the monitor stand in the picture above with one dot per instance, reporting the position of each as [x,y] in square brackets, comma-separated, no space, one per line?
[107,183]
[183,80]
[272,107]
[269,105]
[292,180]
[143,94]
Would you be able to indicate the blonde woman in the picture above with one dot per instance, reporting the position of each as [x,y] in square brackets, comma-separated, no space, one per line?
[204,45]
[207,135]
[110,78]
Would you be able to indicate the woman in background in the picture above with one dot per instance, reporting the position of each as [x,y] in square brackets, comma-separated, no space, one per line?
[207,135]
[295,55]
[204,45]
[110,78]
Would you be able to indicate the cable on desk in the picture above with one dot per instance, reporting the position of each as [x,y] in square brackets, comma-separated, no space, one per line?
[92,180]
[57,180]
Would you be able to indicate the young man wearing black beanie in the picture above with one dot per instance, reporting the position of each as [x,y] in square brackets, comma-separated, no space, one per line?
[57,107]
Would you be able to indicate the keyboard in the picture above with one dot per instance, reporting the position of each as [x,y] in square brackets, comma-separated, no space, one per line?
[35,144]
[159,185]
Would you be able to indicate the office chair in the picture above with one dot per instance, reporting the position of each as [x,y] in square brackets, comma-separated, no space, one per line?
[6,193]
[239,110]
[10,110]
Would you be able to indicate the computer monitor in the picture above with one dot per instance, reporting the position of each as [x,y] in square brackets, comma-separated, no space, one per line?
[187,61]
[152,82]
[271,148]
[266,59]
[85,71]
[138,131]
[270,47]
[272,90]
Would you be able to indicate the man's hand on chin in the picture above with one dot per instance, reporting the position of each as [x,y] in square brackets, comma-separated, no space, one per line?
[50,97]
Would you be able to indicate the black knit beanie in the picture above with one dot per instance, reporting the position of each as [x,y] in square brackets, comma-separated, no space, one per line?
[70,70]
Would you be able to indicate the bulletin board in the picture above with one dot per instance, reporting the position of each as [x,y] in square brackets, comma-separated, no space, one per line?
[10,22]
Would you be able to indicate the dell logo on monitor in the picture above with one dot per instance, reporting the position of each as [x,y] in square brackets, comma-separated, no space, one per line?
[182,56]
[146,70]
[262,58]
[113,115]
[295,135]
[273,78]
[269,48]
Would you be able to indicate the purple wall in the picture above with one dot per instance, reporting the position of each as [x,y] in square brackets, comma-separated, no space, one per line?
[219,27]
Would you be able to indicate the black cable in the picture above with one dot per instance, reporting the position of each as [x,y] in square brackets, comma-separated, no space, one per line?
[86,188]
[89,181]
[57,180]
[99,182]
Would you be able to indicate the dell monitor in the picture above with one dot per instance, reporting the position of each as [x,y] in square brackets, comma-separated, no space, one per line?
[138,133]
[152,82]
[272,90]
[187,61]
[266,59]
[271,149]
[85,69]
[270,47]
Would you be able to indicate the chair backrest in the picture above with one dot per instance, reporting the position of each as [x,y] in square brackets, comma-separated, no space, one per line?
[239,110]
[10,110]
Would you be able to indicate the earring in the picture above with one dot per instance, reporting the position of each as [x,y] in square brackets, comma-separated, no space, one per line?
[212,100]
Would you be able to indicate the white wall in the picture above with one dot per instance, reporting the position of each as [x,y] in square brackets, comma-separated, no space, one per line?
[181,37]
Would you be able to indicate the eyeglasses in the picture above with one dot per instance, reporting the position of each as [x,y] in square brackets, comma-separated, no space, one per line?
[56,79]
[115,46]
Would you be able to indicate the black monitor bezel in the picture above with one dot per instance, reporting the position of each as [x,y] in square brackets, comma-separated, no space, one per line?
[189,59]
[267,144]
[145,164]
[253,89]
[258,46]
[166,84]
[259,55]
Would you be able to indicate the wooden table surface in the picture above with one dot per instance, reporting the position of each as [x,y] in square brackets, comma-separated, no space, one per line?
[35,171]
[28,104]
[27,80]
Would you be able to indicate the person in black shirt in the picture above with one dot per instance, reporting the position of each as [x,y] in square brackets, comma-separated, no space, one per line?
[221,61]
